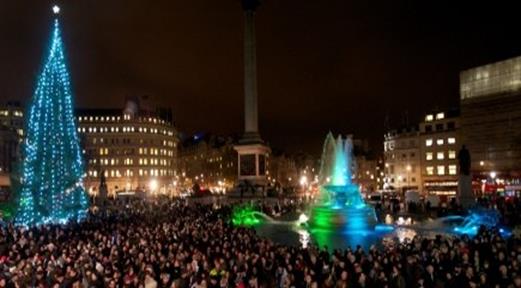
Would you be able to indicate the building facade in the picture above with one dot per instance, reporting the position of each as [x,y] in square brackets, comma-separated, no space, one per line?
[11,133]
[12,116]
[440,143]
[135,147]
[402,168]
[283,171]
[209,161]
[9,149]
[365,170]
[490,98]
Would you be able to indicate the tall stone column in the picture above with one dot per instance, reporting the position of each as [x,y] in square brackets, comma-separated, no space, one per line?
[251,150]
[251,126]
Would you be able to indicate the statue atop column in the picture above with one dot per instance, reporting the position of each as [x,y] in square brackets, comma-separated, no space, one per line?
[464,161]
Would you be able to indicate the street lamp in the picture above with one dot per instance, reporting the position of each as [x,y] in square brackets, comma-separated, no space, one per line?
[153,185]
[303,180]
[304,183]
[408,168]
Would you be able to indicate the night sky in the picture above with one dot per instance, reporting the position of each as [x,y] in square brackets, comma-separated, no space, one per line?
[322,65]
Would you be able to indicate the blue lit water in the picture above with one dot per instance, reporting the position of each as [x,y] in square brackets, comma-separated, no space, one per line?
[286,232]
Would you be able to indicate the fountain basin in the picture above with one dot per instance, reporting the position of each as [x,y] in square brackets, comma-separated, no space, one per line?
[347,218]
[343,195]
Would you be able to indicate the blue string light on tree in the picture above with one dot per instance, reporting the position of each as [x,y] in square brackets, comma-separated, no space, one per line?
[53,171]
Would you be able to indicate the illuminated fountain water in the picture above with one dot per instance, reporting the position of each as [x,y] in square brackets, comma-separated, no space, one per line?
[340,203]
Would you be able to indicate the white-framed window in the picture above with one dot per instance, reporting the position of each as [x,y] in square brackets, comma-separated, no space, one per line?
[440,170]
[440,155]
[428,142]
[428,156]
[452,169]
[452,154]
[429,170]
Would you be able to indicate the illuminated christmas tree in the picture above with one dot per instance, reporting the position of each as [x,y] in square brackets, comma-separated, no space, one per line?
[52,177]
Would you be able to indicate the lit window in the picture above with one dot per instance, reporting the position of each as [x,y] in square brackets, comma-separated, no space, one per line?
[452,170]
[440,170]
[428,142]
[429,118]
[440,142]
[451,140]
[430,170]
[440,116]
[452,154]
[440,156]
[428,156]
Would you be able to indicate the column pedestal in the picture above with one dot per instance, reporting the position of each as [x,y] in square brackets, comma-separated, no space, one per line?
[465,195]
[252,167]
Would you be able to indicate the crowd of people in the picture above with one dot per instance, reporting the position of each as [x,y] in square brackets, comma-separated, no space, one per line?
[181,244]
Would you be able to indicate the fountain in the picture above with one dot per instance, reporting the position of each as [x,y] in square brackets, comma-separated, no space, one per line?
[340,204]
[340,218]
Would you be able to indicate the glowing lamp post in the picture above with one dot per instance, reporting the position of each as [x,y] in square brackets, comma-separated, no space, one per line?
[408,168]
[153,185]
[304,182]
